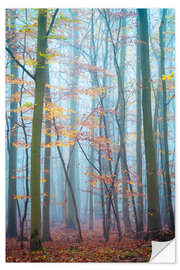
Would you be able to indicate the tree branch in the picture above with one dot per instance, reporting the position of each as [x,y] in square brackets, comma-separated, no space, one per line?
[88,158]
[170,100]
[14,58]
[19,64]
[52,21]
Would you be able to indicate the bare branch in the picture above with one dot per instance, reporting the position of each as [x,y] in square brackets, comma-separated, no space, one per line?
[19,64]
[171,98]
[88,158]
[52,21]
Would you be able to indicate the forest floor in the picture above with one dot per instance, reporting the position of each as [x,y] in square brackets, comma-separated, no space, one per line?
[66,248]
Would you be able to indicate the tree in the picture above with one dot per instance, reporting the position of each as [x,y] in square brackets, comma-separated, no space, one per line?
[47,159]
[121,116]
[91,200]
[73,167]
[12,219]
[154,222]
[40,76]
[120,113]
[91,211]
[69,186]
[162,30]
[140,206]
[46,199]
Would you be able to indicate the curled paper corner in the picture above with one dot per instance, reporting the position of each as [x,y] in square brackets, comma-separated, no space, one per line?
[163,252]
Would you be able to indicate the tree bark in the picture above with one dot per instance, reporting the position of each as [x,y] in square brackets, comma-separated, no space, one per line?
[154,222]
[73,171]
[162,30]
[47,155]
[140,208]
[12,219]
[40,81]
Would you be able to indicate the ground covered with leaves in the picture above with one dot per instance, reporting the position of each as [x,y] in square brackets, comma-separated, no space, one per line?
[66,248]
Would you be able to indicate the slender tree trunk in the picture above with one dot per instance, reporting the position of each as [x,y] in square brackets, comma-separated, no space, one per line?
[46,199]
[162,30]
[12,219]
[103,210]
[140,208]
[159,142]
[73,171]
[101,185]
[154,222]
[24,215]
[91,211]
[85,210]
[124,168]
[35,243]
[72,194]
[91,208]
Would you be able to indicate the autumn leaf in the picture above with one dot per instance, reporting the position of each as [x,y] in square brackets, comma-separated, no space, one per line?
[43,180]
[167,77]
[92,182]
[134,135]
[28,104]
[132,183]
[21,197]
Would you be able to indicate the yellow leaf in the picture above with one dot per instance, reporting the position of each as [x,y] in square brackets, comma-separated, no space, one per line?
[47,145]
[15,145]
[43,180]
[134,135]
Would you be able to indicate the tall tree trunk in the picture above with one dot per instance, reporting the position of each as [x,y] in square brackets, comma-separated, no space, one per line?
[24,215]
[46,199]
[40,80]
[140,208]
[162,30]
[12,219]
[154,222]
[91,203]
[73,171]
[124,167]
[159,141]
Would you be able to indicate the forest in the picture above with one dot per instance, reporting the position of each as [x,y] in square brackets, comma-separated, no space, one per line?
[90,133]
